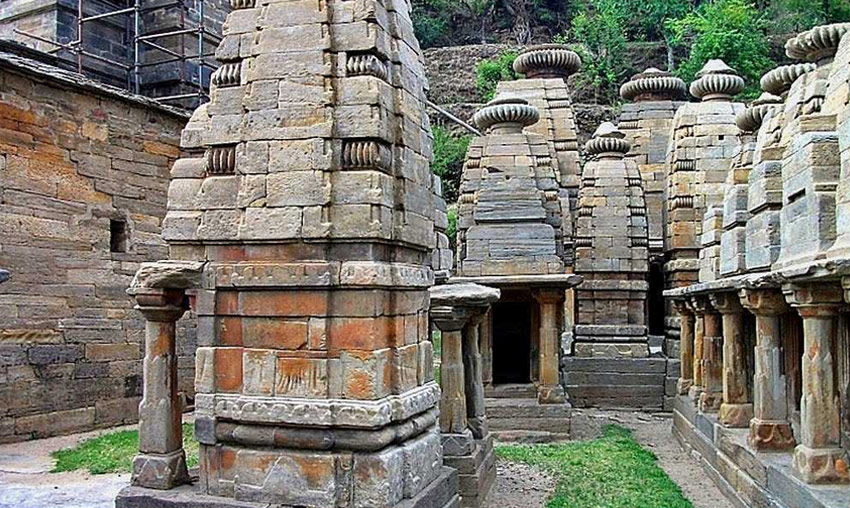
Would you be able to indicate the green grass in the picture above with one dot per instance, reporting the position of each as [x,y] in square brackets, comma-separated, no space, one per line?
[613,471]
[114,452]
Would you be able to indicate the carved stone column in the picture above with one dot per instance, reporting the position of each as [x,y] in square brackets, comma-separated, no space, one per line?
[473,377]
[698,306]
[161,462]
[453,401]
[819,457]
[769,428]
[686,346]
[712,363]
[549,390]
[486,343]
[736,411]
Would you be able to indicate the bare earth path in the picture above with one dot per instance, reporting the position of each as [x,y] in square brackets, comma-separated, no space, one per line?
[25,481]
[520,486]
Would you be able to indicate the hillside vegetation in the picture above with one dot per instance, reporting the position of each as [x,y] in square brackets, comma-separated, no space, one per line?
[692,31]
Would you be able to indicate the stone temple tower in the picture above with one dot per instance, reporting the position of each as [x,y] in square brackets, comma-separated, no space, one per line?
[611,252]
[308,202]
[546,69]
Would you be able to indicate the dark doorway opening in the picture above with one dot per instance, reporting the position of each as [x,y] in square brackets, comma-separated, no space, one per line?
[511,343]
[655,301]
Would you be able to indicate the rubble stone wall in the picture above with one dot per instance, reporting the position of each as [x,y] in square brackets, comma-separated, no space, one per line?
[83,179]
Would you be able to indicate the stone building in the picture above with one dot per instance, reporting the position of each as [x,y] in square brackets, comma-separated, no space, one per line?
[83,178]
[168,65]
[765,338]
[509,220]
[303,222]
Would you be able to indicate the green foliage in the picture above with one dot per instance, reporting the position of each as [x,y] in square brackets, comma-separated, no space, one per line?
[114,452]
[451,231]
[613,471]
[732,30]
[449,155]
[789,16]
[488,73]
[598,35]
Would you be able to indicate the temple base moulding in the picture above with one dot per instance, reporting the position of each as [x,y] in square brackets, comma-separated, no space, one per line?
[821,465]
[767,436]
[736,416]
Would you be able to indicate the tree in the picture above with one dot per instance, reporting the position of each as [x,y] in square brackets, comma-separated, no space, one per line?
[449,155]
[598,35]
[488,73]
[732,30]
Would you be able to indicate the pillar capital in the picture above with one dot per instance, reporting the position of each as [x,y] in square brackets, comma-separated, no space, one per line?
[699,305]
[549,295]
[681,306]
[726,303]
[815,300]
[161,305]
[764,302]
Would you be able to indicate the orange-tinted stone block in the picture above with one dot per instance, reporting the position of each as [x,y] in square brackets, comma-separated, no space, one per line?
[229,331]
[284,303]
[274,333]
[228,373]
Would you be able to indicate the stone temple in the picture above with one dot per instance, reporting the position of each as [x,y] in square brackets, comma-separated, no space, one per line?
[693,257]
[301,227]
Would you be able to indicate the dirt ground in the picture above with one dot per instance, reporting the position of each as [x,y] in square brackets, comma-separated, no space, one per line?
[25,480]
[520,486]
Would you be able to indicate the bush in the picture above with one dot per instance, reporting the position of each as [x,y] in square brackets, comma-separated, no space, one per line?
[789,16]
[488,73]
[449,156]
[732,30]
[598,36]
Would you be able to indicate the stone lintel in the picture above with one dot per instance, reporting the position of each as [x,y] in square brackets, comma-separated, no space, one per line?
[167,274]
[463,295]
[555,281]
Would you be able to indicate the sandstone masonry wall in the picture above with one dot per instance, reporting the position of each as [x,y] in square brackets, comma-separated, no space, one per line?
[83,179]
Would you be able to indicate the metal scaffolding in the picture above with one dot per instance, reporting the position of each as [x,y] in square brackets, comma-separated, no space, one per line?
[135,66]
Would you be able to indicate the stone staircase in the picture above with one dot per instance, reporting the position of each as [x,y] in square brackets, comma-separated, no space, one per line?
[514,415]
[624,383]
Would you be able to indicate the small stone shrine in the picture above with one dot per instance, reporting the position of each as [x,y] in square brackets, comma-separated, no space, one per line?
[301,226]
[509,219]
[611,252]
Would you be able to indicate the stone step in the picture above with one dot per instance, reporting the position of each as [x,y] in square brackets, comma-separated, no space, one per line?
[629,403]
[511,391]
[604,391]
[615,365]
[554,425]
[529,437]
[524,408]
[581,378]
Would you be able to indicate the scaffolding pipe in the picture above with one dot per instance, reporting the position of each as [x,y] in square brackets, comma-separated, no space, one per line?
[453,118]
[107,14]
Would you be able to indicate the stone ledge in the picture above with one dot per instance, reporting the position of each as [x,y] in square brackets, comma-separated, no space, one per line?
[535,281]
[762,479]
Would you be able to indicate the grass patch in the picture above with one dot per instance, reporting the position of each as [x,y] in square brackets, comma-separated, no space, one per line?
[114,452]
[613,471]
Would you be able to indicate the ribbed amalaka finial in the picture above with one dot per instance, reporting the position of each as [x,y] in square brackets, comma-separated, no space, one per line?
[818,44]
[717,82]
[547,61]
[750,119]
[506,115]
[779,80]
[653,85]
[608,142]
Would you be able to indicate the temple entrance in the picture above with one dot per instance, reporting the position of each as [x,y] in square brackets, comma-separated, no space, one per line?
[512,343]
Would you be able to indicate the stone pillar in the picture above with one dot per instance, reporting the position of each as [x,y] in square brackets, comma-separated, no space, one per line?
[486,344]
[161,462]
[819,457]
[452,383]
[549,390]
[686,346]
[712,363]
[769,428]
[473,377]
[698,305]
[736,411]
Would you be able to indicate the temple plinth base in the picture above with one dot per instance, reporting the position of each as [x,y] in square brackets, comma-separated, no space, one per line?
[476,472]
[551,394]
[441,493]
[768,436]
[736,416]
[821,465]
